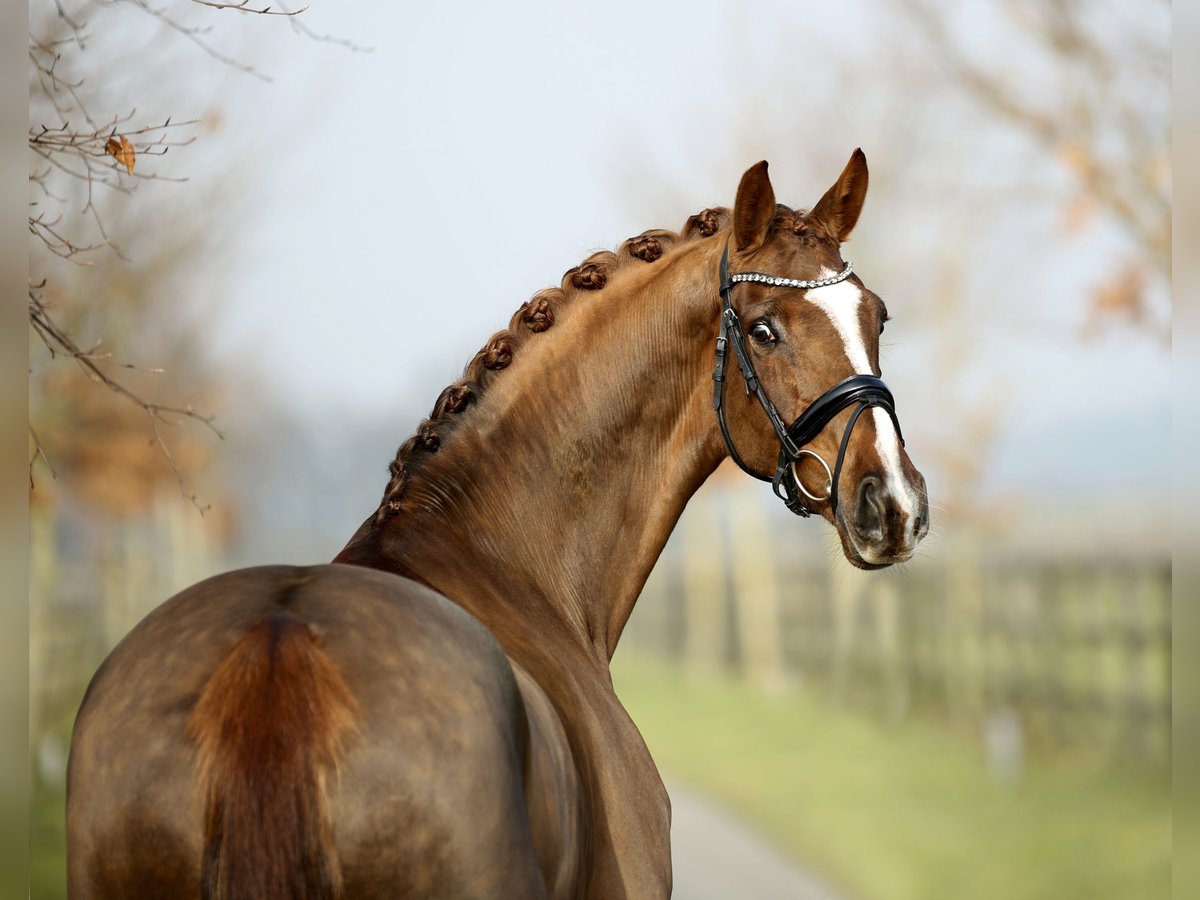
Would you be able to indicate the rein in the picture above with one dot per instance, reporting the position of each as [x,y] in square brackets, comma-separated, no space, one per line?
[865,391]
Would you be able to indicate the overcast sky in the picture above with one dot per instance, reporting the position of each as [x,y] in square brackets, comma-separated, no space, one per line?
[400,204]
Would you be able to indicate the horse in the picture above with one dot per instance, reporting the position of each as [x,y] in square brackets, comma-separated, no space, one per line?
[432,713]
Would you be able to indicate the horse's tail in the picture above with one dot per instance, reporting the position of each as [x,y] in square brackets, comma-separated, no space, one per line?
[270,725]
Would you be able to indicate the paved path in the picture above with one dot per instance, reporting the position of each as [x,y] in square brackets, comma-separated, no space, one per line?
[715,857]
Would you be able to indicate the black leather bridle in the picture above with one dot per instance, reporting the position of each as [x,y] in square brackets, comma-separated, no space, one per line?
[862,391]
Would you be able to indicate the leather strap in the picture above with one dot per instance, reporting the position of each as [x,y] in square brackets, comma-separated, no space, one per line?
[865,391]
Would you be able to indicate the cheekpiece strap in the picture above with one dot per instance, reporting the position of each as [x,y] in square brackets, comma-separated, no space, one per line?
[863,391]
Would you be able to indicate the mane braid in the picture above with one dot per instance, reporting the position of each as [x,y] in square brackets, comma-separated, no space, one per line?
[535,316]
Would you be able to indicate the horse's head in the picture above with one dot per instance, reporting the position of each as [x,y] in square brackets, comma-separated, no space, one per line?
[805,334]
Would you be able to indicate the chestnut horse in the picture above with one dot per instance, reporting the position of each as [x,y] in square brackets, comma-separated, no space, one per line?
[432,715]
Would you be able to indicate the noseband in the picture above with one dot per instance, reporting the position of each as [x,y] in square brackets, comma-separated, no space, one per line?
[860,391]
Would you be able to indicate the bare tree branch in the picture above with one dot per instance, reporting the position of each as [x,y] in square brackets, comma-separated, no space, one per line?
[39,452]
[1100,114]
[170,457]
[299,26]
[245,7]
[1134,194]
[77,154]
[195,34]
[76,27]
[57,341]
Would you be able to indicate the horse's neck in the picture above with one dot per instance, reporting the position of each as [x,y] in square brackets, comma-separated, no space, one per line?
[549,504]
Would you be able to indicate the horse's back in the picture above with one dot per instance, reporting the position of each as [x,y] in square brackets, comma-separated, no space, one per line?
[422,785]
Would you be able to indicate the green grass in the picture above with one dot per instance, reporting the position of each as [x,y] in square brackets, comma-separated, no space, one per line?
[47,844]
[905,812]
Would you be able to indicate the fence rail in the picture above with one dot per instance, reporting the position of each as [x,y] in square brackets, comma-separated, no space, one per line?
[1046,654]
[1051,655]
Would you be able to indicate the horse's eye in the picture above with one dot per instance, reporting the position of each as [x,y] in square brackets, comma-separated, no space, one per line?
[761,333]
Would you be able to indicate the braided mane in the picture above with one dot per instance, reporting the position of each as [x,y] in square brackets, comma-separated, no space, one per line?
[535,316]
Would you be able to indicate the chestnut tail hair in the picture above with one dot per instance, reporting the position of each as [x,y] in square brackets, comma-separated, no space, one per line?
[270,726]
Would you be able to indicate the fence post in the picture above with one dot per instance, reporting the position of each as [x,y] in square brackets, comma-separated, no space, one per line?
[962,650]
[703,563]
[43,566]
[755,590]
[894,687]
[186,537]
[1140,622]
[846,586]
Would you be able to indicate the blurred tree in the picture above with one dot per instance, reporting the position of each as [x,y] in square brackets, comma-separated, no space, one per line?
[1044,153]
[1085,86]
[109,272]
[1091,84]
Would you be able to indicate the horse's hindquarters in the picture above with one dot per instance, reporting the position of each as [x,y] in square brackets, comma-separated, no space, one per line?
[424,791]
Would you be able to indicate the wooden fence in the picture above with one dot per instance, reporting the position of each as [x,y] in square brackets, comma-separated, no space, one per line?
[1053,654]
[1040,653]
[91,581]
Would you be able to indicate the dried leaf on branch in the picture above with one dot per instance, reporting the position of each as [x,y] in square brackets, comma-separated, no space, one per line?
[122,150]
[78,202]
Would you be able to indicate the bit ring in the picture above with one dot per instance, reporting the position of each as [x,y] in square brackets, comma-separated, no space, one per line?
[828,476]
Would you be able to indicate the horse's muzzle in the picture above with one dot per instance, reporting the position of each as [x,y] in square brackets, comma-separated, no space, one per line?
[888,519]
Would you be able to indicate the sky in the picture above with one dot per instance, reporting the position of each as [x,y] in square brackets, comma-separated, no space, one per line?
[395,206]
[515,121]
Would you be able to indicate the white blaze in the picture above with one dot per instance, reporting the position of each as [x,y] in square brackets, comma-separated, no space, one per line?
[840,302]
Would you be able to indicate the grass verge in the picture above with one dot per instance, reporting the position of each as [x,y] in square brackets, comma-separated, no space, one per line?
[903,812]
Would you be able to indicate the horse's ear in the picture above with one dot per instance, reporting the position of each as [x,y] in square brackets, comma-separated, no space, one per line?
[842,203]
[754,209]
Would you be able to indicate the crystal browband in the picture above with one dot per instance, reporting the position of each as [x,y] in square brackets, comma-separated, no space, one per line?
[793,282]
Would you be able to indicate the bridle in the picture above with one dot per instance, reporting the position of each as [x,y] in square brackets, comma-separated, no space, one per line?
[866,391]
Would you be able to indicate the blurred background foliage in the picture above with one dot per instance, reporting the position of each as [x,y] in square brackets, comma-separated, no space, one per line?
[992,720]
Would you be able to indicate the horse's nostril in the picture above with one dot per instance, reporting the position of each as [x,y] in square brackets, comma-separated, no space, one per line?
[922,522]
[870,508]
